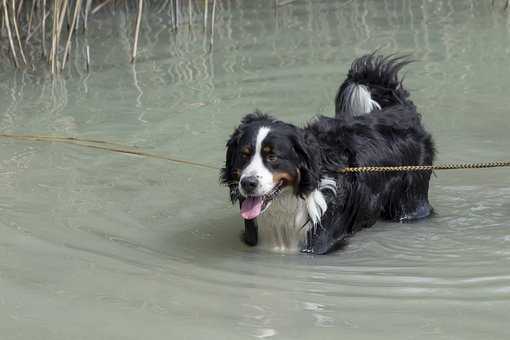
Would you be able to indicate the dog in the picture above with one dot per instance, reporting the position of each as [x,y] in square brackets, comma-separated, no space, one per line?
[292,196]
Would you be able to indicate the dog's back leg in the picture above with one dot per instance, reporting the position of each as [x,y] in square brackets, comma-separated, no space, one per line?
[408,201]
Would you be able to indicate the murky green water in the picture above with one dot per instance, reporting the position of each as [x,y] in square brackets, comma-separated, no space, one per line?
[95,245]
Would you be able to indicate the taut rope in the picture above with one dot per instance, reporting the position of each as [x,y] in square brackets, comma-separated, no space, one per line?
[119,148]
[450,166]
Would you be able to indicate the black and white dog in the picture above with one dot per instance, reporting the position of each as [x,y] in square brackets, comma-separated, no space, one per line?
[286,178]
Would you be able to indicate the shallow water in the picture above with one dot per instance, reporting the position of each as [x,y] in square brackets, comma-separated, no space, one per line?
[95,245]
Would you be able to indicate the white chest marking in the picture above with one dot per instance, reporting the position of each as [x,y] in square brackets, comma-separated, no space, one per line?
[283,226]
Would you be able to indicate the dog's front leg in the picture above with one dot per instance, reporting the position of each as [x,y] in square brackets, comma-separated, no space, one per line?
[316,242]
[250,236]
[307,247]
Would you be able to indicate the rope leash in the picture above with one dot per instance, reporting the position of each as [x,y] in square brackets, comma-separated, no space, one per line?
[119,148]
[103,145]
[450,166]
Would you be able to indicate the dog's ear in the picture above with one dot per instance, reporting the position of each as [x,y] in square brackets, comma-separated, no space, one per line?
[308,152]
[228,175]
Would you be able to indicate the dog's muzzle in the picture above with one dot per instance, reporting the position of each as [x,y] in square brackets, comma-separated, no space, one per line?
[249,184]
[253,206]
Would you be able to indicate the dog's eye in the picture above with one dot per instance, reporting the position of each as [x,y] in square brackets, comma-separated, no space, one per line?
[245,152]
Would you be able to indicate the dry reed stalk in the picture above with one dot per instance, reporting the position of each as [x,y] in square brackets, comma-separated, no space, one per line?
[77,25]
[206,9]
[87,51]
[62,16]
[59,10]
[68,19]
[51,56]
[43,19]
[211,41]
[163,6]
[137,30]
[36,28]
[18,38]
[30,18]
[2,27]
[18,11]
[73,23]
[176,13]
[88,5]
[59,28]
[190,13]
[101,5]
[9,33]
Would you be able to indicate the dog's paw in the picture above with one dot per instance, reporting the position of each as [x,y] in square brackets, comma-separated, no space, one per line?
[249,239]
[307,251]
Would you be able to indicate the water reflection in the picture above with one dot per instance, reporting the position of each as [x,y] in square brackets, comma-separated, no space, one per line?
[153,248]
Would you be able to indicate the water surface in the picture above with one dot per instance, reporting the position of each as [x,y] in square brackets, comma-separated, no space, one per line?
[96,245]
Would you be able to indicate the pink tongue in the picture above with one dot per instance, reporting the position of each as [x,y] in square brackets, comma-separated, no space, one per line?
[251,207]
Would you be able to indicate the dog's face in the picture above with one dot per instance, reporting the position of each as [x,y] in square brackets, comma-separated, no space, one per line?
[263,157]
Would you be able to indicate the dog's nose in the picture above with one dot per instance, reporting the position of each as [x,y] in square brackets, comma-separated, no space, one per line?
[249,184]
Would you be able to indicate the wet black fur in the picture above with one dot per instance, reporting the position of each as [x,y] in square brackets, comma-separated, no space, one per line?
[393,135]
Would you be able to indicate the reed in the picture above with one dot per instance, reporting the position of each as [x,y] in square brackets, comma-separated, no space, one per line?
[211,41]
[190,13]
[15,23]
[73,25]
[46,29]
[137,30]
[9,32]
[206,10]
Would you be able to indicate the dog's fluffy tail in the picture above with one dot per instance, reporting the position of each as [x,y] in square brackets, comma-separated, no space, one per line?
[372,84]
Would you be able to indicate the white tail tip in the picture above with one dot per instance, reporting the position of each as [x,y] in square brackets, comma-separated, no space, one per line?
[358,101]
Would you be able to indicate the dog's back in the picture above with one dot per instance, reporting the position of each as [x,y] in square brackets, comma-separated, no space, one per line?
[372,84]
[376,124]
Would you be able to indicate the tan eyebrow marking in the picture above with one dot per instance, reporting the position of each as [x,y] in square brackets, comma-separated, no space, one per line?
[280,176]
[267,149]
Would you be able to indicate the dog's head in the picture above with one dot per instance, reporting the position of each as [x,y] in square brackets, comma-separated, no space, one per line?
[264,156]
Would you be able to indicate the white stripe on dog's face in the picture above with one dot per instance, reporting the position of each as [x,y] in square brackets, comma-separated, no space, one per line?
[257,168]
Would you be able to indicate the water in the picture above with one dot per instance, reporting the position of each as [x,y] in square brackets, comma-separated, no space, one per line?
[96,245]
